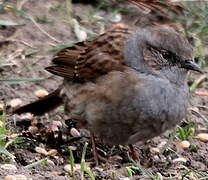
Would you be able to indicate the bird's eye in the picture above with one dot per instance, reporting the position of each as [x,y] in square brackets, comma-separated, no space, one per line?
[166,55]
[187,61]
[170,57]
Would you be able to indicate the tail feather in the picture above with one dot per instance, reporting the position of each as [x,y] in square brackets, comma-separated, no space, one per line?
[43,105]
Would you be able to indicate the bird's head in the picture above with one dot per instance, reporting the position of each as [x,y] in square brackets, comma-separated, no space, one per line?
[164,47]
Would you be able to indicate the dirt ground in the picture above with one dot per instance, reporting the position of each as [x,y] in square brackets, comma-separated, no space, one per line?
[26,49]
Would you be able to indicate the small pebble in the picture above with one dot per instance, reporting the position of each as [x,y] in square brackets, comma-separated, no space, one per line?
[116,18]
[73,148]
[99,169]
[156,158]
[14,103]
[41,151]
[57,123]
[1,124]
[1,106]
[154,150]
[41,93]
[8,167]
[161,145]
[52,152]
[54,127]
[116,158]
[33,129]
[125,178]
[28,116]
[74,132]
[20,177]
[184,144]
[82,35]
[49,162]
[202,137]
[9,177]
[180,159]
[67,167]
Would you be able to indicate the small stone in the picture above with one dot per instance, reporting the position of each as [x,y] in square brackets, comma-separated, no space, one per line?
[57,123]
[180,159]
[74,132]
[125,178]
[52,152]
[54,128]
[33,129]
[1,106]
[67,167]
[116,18]
[156,158]
[1,124]
[49,162]
[28,116]
[154,150]
[73,148]
[20,177]
[41,151]
[202,137]
[41,93]
[14,103]
[161,145]
[184,144]
[8,167]
[9,177]
[99,169]
[116,158]
[87,165]
[82,35]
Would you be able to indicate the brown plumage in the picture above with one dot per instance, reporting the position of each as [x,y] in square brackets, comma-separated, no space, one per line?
[127,85]
[89,60]
[160,6]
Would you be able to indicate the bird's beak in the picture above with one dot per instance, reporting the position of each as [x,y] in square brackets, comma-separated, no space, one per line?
[190,65]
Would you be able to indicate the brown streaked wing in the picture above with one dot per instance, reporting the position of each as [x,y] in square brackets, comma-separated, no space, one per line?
[91,59]
[160,6]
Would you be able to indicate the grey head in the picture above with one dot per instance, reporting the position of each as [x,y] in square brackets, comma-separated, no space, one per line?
[172,54]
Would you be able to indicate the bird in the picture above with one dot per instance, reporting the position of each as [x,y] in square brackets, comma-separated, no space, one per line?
[125,86]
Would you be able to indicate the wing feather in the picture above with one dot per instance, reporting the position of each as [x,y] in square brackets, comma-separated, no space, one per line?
[91,59]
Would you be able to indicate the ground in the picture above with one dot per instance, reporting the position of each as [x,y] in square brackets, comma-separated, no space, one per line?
[26,49]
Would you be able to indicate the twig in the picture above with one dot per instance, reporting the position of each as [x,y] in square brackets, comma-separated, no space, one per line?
[23,42]
[43,31]
[11,57]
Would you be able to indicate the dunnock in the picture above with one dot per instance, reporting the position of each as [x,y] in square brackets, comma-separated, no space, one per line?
[125,86]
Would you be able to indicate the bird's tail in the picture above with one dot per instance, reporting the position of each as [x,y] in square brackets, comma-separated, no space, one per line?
[43,105]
